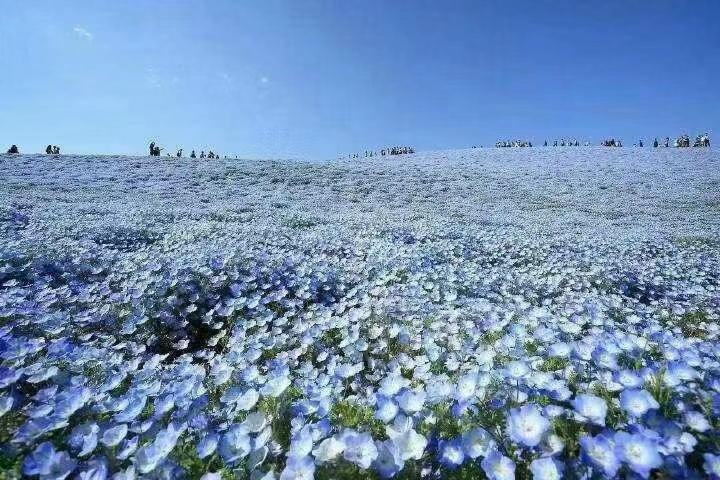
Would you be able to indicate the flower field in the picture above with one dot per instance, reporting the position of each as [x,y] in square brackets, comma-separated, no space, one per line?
[463,314]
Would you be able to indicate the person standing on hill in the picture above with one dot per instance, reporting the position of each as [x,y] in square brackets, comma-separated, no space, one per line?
[56,150]
[13,149]
[152,149]
[49,150]
[655,143]
[179,153]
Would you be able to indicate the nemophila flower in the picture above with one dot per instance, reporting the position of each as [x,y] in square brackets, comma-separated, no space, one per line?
[298,468]
[628,379]
[478,443]
[637,402]
[211,476]
[411,401]
[451,453]
[498,467]
[386,409]
[207,445]
[301,443]
[712,465]
[6,403]
[466,387]
[84,438]
[135,406]
[696,421]
[127,448]
[590,408]
[599,453]
[328,450]
[48,463]
[638,451]
[113,436]
[392,384]
[388,461]
[526,425]
[274,387]
[517,369]
[359,448]
[546,469]
[95,469]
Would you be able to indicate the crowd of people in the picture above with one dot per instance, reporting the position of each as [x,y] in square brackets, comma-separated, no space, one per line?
[52,150]
[514,143]
[384,151]
[155,152]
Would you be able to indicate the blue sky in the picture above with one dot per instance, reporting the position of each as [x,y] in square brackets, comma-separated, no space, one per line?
[317,78]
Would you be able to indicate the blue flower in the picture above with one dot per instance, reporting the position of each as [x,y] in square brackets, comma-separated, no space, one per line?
[590,408]
[546,469]
[451,453]
[207,445]
[411,401]
[696,421]
[134,407]
[639,452]
[712,465]
[95,469]
[84,438]
[599,452]
[114,435]
[359,448]
[234,444]
[637,402]
[388,461]
[298,468]
[386,409]
[6,403]
[498,467]
[328,450]
[526,425]
[301,443]
[48,463]
[478,443]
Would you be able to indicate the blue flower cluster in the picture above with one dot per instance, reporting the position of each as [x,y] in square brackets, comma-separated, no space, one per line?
[279,320]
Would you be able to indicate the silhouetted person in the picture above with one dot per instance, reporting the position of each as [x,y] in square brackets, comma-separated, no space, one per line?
[202,154]
[13,149]
[192,154]
[667,142]
[179,153]
[156,151]
[152,149]
[655,143]
[49,150]
[640,144]
[56,150]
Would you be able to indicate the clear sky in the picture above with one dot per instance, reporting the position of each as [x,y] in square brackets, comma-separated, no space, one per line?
[298,78]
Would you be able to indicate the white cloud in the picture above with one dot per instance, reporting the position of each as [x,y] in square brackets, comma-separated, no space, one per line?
[264,80]
[82,32]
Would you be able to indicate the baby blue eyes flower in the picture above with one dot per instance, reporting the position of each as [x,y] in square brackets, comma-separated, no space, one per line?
[386,409]
[546,469]
[84,438]
[410,401]
[6,403]
[234,444]
[328,450]
[498,467]
[638,451]
[301,444]
[526,425]
[392,384]
[388,462]
[451,454]
[697,421]
[95,469]
[298,468]
[114,435]
[49,464]
[637,402]
[275,386]
[466,387]
[590,408]
[517,369]
[712,465]
[359,448]
[599,452]
[207,445]
[134,408]
[478,443]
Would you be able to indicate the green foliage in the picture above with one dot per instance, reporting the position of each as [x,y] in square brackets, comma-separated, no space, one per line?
[470,470]
[615,415]
[689,323]
[185,455]
[662,393]
[531,347]
[569,431]
[444,426]
[343,470]
[552,364]
[332,337]
[352,415]
[625,360]
[9,424]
